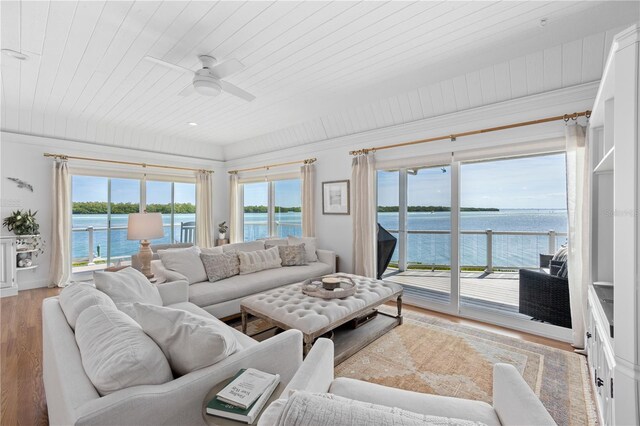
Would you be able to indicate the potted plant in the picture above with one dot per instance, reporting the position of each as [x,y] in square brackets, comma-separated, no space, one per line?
[222,230]
[22,223]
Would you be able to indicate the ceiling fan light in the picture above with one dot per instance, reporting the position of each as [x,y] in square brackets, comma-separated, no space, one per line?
[207,87]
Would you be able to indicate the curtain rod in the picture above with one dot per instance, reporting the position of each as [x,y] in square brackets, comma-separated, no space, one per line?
[269,166]
[453,137]
[128,163]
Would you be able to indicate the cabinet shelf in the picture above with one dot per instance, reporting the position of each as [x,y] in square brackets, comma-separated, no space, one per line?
[25,251]
[27,268]
[606,164]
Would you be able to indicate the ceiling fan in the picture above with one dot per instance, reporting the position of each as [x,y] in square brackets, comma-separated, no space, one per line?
[208,80]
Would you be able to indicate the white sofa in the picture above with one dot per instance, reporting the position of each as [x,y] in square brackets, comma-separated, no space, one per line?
[514,403]
[222,298]
[73,400]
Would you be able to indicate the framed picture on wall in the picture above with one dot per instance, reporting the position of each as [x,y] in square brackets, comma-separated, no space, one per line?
[335,197]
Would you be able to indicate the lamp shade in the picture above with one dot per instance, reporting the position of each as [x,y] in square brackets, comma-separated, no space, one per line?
[145,226]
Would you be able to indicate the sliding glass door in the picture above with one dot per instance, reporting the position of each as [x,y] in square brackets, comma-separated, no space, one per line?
[467,229]
[513,217]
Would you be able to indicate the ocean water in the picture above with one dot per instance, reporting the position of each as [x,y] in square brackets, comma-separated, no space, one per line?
[120,246]
[508,250]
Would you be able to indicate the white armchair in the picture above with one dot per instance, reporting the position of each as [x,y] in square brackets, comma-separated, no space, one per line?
[514,403]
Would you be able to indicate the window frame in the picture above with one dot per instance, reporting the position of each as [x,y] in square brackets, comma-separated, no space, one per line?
[142,178]
[271,197]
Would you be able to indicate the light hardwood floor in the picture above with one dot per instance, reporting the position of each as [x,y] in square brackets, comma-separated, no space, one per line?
[23,400]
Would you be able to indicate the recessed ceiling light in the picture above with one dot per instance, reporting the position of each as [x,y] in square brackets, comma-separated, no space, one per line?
[542,23]
[193,124]
[15,55]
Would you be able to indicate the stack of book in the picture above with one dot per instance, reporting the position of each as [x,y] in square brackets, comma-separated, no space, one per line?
[245,396]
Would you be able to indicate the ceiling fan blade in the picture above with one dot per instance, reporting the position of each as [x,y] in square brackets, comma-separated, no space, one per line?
[225,69]
[187,91]
[236,91]
[167,64]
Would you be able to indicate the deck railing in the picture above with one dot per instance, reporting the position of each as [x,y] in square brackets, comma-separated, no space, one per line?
[490,247]
[91,244]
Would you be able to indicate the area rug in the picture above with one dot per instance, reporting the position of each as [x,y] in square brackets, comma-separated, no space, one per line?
[435,356]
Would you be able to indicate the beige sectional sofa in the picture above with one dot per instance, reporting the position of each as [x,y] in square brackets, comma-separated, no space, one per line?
[222,298]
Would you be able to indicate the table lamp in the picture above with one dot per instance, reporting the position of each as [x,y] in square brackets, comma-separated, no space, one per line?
[145,227]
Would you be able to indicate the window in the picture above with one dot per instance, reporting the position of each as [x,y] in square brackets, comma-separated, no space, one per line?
[101,206]
[272,209]
[177,203]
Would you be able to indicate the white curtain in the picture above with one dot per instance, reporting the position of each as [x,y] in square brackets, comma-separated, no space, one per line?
[578,203]
[307,173]
[61,225]
[234,219]
[364,215]
[204,209]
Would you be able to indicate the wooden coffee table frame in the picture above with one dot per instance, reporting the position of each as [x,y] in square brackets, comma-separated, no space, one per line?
[310,338]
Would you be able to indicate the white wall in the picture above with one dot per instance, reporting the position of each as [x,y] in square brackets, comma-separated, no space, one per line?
[334,232]
[22,157]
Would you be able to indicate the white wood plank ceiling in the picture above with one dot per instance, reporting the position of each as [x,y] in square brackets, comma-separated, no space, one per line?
[318,69]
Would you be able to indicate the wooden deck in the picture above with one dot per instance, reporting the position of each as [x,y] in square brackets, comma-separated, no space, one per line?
[498,290]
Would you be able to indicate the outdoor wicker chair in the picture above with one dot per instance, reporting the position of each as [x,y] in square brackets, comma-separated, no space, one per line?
[545,297]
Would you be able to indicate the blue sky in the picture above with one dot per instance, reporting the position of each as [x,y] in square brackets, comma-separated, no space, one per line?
[89,188]
[521,183]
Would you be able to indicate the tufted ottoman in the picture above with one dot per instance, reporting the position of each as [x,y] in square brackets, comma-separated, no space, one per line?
[287,307]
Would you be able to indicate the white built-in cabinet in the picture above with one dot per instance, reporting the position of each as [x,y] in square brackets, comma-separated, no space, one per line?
[8,282]
[613,318]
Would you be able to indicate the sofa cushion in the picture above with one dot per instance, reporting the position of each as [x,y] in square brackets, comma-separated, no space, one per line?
[220,266]
[275,241]
[291,255]
[242,340]
[259,260]
[127,286]
[190,342]
[185,261]
[211,250]
[434,405]
[309,246]
[246,246]
[116,353]
[79,296]
[207,294]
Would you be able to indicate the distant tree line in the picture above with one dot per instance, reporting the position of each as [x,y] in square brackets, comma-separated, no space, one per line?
[100,207]
[394,209]
[278,209]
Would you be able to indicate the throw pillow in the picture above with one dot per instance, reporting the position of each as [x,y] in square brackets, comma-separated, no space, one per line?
[116,353]
[189,341]
[255,261]
[247,246]
[292,255]
[309,246]
[126,286]
[220,266]
[79,296]
[185,261]
[563,272]
[561,254]
[320,409]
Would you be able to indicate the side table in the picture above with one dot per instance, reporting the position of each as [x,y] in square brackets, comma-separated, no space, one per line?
[220,421]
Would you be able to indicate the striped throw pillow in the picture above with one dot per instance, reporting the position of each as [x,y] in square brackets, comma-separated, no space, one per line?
[259,260]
